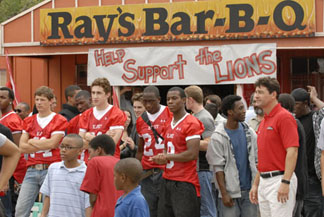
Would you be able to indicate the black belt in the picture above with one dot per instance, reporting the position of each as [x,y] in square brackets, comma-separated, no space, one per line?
[40,166]
[147,173]
[266,175]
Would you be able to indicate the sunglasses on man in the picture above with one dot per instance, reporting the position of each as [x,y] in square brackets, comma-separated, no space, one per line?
[18,110]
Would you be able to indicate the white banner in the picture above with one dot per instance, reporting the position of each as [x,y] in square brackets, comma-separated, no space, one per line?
[227,64]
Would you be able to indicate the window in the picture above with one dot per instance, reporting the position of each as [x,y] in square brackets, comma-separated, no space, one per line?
[300,66]
[81,71]
[308,71]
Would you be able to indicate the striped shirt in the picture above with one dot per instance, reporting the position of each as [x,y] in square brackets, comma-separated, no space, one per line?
[62,185]
[317,119]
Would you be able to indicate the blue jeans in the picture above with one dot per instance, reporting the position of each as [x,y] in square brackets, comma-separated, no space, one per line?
[150,188]
[208,204]
[216,198]
[29,190]
[242,207]
[313,198]
[6,201]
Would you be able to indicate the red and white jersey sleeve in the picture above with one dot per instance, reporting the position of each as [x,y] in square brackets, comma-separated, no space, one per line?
[113,119]
[151,147]
[73,126]
[176,137]
[57,125]
[13,122]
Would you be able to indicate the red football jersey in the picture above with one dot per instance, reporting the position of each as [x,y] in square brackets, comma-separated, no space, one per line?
[114,118]
[176,137]
[151,147]
[15,124]
[73,126]
[57,125]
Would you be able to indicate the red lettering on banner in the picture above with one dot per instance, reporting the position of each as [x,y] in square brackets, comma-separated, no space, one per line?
[268,66]
[146,73]
[108,58]
[241,68]
[130,70]
[248,66]
[218,75]
[206,57]
[221,78]
[252,64]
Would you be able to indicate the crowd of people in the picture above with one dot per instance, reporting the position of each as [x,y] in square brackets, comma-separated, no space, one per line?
[147,159]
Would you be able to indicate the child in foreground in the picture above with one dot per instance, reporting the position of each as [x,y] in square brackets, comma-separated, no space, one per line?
[63,180]
[99,178]
[127,175]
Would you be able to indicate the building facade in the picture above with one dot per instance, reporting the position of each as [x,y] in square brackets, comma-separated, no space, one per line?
[42,50]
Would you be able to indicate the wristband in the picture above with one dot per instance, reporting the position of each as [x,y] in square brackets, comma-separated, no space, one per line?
[285,181]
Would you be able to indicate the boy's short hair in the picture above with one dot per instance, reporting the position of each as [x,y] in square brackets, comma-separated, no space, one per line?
[78,139]
[287,101]
[70,90]
[105,142]
[179,90]
[44,91]
[27,107]
[196,93]
[11,94]
[131,167]
[137,97]
[212,109]
[213,98]
[271,84]
[83,93]
[152,89]
[229,102]
[102,82]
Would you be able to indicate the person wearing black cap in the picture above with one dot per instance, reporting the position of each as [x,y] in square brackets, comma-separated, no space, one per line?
[288,102]
[311,121]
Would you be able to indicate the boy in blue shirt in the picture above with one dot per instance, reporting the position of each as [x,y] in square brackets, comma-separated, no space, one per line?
[127,175]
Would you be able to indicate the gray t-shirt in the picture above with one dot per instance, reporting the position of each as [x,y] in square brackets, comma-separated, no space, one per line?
[208,121]
[2,139]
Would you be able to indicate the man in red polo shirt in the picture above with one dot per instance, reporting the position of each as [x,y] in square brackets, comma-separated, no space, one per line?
[42,134]
[275,185]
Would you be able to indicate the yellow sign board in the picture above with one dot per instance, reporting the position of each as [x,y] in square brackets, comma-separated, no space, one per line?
[183,21]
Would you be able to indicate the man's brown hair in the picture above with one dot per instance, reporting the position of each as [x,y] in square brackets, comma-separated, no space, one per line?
[44,91]
[137,97]
[102,82]
[213,98]
[195,92]
[271,84]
